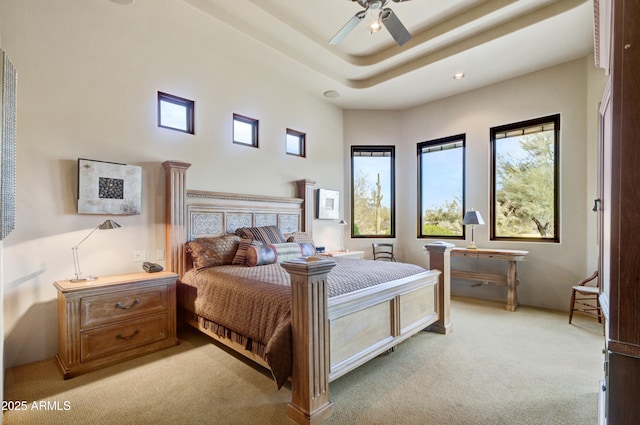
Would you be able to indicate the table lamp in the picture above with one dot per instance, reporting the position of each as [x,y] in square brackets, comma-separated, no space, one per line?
[472,218]
[108,224]
[344,226]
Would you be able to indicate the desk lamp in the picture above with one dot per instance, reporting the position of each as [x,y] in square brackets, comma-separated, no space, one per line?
[108,224]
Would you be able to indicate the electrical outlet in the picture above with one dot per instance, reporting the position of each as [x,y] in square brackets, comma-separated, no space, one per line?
[160,254]
[139,256]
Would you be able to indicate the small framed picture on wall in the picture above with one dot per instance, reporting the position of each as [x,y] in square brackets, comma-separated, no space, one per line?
[327,204]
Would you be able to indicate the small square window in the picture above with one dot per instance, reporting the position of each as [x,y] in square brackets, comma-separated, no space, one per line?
[175,113]
[296,142]
[245,130]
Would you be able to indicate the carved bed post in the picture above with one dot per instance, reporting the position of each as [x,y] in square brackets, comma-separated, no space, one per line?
[440,259]
[310,402]
[304,190]
[176,188]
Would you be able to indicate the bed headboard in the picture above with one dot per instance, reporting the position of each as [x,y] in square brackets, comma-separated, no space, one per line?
[193,214]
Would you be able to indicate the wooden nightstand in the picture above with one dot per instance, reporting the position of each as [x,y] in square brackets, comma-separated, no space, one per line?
[347,254]
[113,319]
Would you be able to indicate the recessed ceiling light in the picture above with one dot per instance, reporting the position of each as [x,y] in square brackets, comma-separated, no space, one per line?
[458,76]
[125,2]
[331,94]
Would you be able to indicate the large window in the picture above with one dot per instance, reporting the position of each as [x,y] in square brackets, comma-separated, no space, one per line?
[372,191]
[441,187]
[524,180]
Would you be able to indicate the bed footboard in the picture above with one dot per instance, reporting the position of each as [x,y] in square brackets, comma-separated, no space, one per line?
[331,338]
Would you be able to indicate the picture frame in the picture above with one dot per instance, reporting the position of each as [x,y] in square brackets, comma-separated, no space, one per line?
[8,114]
[109,188]
[327,204]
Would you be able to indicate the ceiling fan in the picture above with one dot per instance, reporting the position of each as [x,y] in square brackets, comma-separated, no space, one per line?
[378,15]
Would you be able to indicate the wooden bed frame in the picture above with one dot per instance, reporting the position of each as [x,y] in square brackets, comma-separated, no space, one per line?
[330,336]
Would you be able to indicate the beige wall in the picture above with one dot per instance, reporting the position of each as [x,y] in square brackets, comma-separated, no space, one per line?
[571,90]
[89,72]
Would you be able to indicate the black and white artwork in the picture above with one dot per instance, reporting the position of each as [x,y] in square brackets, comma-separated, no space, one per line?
[108,188]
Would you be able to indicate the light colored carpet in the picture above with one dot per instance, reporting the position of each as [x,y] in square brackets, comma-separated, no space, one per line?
[496,367]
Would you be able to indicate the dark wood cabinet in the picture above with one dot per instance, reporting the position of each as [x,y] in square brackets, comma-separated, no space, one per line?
[618,52]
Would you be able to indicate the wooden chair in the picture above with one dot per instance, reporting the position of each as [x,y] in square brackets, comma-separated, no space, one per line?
[584,298]
[383,251]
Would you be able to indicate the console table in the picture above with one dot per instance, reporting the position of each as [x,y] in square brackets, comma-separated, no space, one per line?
[510,279]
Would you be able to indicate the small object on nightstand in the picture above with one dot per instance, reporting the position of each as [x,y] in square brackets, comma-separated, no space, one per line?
[151,267]
[320,249]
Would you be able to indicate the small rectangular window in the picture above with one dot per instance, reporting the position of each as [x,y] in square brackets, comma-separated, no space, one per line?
[175,113]
[245,130]
[441,187]
[524,180]
[373,191]
[296,142]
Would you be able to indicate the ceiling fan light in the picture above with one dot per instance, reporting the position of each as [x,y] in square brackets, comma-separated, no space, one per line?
[375,17]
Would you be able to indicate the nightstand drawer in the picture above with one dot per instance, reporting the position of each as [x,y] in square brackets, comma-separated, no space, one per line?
[113,307]
[122,336]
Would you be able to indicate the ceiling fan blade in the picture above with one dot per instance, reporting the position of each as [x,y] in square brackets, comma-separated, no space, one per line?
[394,26]
[348,27]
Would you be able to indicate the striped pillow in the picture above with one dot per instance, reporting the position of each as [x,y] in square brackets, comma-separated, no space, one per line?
[241,253]
[260,255]
[286,251]
[265,234]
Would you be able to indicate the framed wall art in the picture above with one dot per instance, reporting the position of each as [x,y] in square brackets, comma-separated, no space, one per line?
[8,97]
[109,188]
[327,204]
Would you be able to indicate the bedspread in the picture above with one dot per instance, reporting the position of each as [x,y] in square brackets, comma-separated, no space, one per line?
[252,305]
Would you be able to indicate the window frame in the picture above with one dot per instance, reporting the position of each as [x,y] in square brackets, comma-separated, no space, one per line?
[432,143]
[521,126]
[302,142]
[255,128]
[189,106]
[392,156]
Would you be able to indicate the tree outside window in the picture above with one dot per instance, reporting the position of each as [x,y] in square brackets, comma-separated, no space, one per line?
[372,191]
[525,180]
[441,187]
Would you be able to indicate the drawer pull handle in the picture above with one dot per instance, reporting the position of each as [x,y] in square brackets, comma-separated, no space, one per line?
[127,307]
[127,338]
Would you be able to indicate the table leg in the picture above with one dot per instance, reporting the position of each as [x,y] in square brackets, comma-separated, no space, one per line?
[512,287]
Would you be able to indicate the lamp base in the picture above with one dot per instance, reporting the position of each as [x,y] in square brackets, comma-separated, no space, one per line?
[472,245]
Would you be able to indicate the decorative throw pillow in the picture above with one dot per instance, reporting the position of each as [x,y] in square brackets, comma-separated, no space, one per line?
[240,257]
[260,255]
[265,234]
[300,237]
[211,252]
[307,249]
[286,251]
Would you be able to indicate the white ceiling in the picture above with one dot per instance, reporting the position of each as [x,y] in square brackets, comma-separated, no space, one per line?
[488,40]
